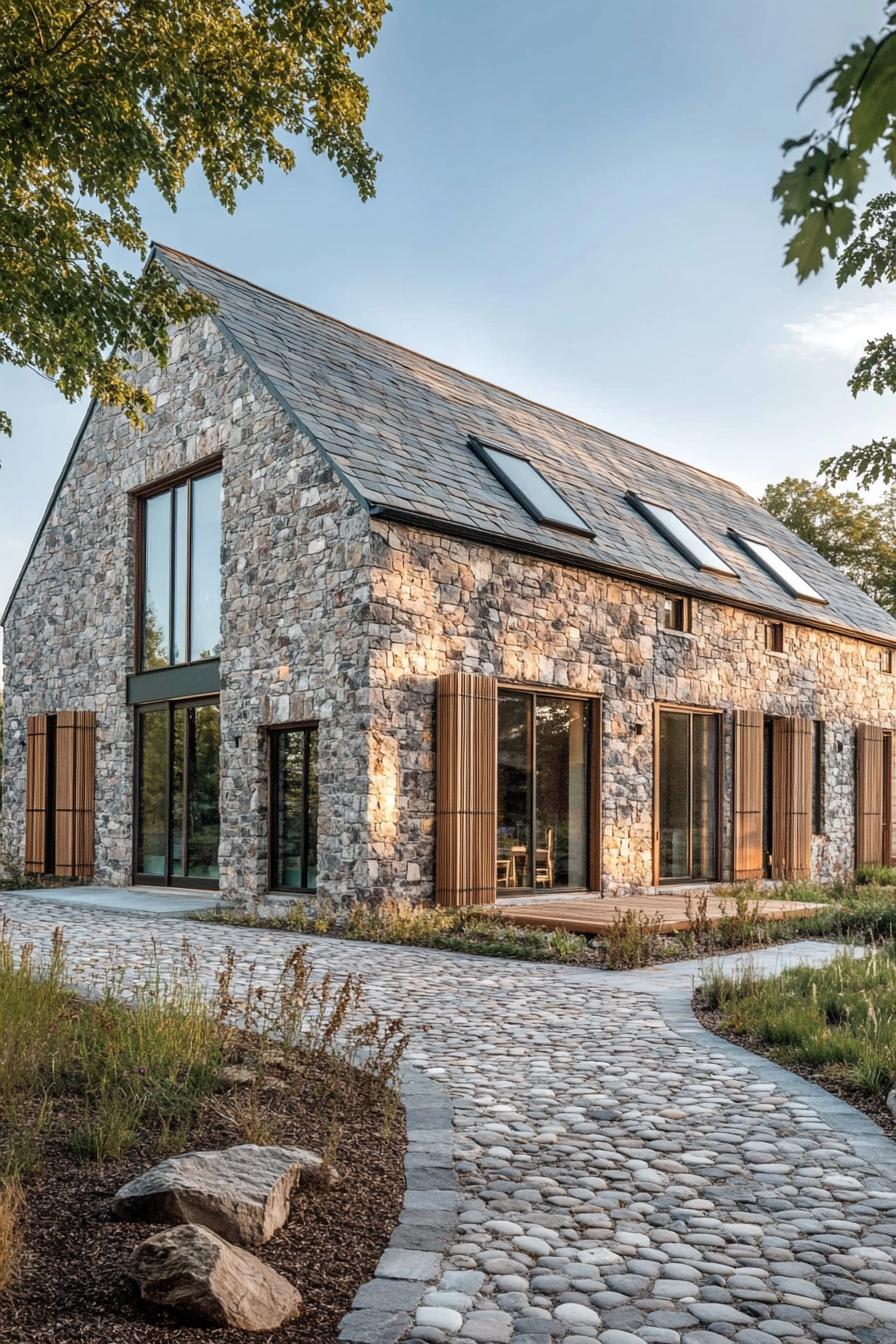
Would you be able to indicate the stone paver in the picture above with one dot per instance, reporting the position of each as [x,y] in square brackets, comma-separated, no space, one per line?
[621,1176]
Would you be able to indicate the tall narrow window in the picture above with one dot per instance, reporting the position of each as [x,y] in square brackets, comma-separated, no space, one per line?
[294,803]
[543,790]
[687,803]
[181,571]
[818,777]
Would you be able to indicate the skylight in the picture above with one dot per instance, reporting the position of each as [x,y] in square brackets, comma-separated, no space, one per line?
[682,537]
[779,569]
[529,488]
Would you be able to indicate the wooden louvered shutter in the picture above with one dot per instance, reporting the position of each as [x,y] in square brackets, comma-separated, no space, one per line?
[869,794]
[36,794]
[792,798]
[749,725]
[466,789]
[75,772]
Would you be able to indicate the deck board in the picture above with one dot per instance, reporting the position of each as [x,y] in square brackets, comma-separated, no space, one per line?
[590,914]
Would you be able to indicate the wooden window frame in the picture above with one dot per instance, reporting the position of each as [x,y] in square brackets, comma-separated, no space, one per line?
[774,637]
[593,777]
[683,604]
[209,466]
[307,726]
[660,707]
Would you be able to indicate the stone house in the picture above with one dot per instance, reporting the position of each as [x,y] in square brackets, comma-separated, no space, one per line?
[342,619]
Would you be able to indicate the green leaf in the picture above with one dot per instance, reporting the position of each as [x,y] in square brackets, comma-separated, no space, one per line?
[821,231]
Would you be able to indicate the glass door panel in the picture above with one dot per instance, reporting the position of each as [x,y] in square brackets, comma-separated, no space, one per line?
[514,790]
[542,791]
[688,796]
[177,807]
[674,795]
[560,792]
[152,793]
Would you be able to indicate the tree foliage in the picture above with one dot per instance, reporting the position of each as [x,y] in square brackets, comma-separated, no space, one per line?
[819,193]
[857,537]
[94,95]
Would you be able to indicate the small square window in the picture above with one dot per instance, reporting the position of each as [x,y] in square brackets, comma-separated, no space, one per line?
[774,636]
[676,613]
[886,660]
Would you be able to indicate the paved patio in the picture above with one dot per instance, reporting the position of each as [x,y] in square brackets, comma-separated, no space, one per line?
[623,1176]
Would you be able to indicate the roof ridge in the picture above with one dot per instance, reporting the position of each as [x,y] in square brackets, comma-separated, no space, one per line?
[452,368]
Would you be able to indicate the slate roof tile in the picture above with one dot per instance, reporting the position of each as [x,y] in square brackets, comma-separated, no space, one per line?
[396,425]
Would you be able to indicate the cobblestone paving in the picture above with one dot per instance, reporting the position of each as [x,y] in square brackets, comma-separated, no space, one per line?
[619,1181]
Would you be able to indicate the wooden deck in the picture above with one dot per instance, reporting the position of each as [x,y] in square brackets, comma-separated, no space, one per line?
[590,914]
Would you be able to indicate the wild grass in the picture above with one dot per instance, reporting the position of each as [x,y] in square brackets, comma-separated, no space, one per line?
[139,1059]
[631,940]
[837,1021]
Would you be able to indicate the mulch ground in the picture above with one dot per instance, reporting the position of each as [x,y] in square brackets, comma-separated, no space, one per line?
[73,1286]
[874,1106]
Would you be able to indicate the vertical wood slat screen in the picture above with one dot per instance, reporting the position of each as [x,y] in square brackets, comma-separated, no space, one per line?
[36,793]
[792,798]
[749,725]
[466,789]
[869,794]
[75,775]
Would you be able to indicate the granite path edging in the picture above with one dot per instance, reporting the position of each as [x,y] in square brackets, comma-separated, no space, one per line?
[382,1310]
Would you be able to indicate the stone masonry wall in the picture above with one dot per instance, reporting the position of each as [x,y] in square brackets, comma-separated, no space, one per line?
[294,597]
[441,604]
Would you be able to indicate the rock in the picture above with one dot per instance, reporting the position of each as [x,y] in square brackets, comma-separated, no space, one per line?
[236,1075]
[891,1101]
[192,1270]
[241,1193]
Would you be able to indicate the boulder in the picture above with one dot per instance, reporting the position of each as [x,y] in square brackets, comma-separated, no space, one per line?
[241,1193]
[891,1101]
[190,1269]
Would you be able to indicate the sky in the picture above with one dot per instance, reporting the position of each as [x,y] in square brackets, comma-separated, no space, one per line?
[574,202]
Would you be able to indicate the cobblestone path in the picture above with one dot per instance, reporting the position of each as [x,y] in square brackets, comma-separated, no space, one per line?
[619,1180]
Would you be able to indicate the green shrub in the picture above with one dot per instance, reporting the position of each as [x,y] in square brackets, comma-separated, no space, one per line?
[875,875]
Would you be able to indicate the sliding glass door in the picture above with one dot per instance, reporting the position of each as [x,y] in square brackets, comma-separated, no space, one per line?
[543,749]
[687,796]
[177,809]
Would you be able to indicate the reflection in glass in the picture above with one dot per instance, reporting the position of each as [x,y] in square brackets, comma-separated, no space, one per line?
[156,634]
[688,796]
[203,817]
[152,779]
[182,573]
[294,761]
[178,821]
[205,591]
[542,791]
[705,794]
[179,621]
[514,789]
[674,794]
[560,791]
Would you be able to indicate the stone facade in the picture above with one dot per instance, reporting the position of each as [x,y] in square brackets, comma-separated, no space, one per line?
[445,604]
[333,616]
[294,595]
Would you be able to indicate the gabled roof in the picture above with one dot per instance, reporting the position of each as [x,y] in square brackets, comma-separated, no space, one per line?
[396,427]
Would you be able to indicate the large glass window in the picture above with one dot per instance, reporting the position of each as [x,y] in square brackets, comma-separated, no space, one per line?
[688,796]
[542,790]
[181,598]
[294,801]
[178,818]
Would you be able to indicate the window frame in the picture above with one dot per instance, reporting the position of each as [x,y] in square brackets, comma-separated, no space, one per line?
[747,545]
[774,637]
[593,781]
[165,484]
[818,776]
[665,707]
[686,614]
[483,452]
[274,731]
[647,509]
